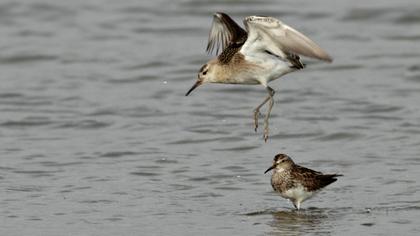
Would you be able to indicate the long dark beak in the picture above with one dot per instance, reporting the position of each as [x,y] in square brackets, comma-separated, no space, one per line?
[198,83]
[271,167]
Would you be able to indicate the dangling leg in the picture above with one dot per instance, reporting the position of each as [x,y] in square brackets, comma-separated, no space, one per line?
[257,112]
[267,116]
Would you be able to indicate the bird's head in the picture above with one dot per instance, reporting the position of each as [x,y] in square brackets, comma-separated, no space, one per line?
[207,74]
[281,161]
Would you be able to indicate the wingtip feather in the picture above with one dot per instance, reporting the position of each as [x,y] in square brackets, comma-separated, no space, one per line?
[326,58]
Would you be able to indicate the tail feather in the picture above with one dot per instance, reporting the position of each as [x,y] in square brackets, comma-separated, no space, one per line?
[328,179]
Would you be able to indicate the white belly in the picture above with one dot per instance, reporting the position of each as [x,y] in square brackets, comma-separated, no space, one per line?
[270,67]
[298,193]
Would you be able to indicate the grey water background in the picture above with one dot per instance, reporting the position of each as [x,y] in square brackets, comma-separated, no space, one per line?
[97,137]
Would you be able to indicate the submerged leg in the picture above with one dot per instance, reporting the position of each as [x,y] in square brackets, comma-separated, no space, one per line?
[267,116]
[257,112]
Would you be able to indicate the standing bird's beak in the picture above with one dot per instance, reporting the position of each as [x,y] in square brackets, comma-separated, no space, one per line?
[198,83]
[271,167]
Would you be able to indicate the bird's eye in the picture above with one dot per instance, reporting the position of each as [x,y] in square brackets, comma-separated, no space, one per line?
[205,72]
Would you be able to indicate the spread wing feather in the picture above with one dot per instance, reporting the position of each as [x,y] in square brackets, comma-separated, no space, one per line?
[268,33]
[223,32]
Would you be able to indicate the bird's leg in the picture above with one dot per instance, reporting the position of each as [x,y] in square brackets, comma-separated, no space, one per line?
[267,116]
[296,203]
[257,112]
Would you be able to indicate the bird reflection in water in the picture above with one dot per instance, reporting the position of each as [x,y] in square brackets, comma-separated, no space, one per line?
[293,222]
[300,222]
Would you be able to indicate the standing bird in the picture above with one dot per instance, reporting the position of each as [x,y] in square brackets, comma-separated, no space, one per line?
[295,182]
[267,50]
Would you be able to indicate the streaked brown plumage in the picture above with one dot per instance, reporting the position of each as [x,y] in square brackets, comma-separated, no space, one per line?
[297,183]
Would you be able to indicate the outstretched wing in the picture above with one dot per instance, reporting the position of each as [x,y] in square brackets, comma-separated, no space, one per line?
[268,33]
[223,32]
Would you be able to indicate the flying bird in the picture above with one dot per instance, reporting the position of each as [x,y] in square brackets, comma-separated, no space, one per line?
[264,51]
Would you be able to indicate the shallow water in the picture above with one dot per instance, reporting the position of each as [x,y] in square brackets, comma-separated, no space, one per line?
[97,137]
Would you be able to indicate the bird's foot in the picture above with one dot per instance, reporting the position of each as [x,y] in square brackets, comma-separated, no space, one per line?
[265,134]
[256,114]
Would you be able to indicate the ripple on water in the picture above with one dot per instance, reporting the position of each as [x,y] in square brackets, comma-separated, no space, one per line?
[207,130]
[199,179]
[413,73]
[181,187]
[144,173]
[149,65]
[84,124]
[414,37]
[316,15]
[97,201]
[167,30]
[228,188]
[26,188]
[37,173]
[381,117]
[235,168]
[118,154]
[10,95]
[27,122]
[368,109]
[381,108]
[166,161]
[158,155]
[71,188]
[19,59]
[208,195]
[205,140]
[18,101]
[344,67]
[114,219]
[316,118]
[296,135]
[236,149]
[135,79]
[181,170]
[340,136]
[409,16]
[365,14]
[351,38]
[60,164]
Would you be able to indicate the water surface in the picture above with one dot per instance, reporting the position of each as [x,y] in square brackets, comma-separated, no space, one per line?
[97,137]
